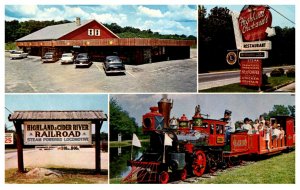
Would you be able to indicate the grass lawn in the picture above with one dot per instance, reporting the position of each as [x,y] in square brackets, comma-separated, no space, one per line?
[236,87]
[278,169]
[70,176]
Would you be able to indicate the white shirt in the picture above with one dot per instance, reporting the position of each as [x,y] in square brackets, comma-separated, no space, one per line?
[247,127]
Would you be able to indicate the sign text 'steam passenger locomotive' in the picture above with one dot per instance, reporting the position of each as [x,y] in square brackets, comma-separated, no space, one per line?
[182,147]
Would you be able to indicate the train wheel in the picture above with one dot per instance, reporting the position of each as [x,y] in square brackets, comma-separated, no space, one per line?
[183,174]
[164,177]
[199,163]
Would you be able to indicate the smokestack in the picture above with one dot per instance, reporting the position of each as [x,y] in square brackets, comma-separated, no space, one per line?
[78,22]
[164,107]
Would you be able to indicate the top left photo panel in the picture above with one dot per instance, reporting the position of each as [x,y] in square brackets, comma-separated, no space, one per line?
[100,48]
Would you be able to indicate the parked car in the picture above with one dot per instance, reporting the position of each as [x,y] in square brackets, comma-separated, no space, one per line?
[67,58]
[82,60]
[113,64]
[50,57]
[18,55]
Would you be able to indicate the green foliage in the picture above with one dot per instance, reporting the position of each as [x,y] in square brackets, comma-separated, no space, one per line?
[278,169]
[279,110]
[15,29]
[276,73]
[120,122]
[290,73]
[10,46]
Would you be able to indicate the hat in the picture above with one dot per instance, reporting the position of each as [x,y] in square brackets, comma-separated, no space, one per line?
[228,112]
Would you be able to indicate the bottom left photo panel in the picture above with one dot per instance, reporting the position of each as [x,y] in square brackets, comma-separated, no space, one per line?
[56,138]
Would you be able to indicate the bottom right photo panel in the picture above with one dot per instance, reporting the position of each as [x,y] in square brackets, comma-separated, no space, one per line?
[202,138]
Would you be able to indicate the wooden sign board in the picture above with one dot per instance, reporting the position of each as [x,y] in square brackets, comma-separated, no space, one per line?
[251,72]
[9,138]
[57,133]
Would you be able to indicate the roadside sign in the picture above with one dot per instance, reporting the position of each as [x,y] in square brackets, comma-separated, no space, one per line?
[253,55]
[253,22]
[57,133]
[9,138]
[251,72]
[257,45]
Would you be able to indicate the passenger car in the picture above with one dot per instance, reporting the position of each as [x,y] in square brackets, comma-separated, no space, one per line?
[82,59]
[67,58]
[18,55]
[50,57]
[113,64]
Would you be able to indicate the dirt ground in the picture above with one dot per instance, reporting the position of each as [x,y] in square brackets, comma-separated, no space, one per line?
[82,159]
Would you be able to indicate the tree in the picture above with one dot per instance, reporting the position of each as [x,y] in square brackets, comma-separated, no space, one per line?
[120,122]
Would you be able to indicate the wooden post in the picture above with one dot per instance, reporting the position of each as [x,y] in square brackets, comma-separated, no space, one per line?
[18,126]
[97,147]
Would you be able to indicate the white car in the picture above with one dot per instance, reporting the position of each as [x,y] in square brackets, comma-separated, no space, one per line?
[67,58]
[18,55]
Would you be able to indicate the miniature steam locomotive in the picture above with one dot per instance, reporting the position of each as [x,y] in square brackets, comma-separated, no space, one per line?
[198,145]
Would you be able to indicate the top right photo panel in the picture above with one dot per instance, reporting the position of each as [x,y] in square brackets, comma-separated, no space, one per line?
[246,48]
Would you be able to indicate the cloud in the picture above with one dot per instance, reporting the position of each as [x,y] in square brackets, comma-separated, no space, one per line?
[163,19]
[24,10]
[150,12]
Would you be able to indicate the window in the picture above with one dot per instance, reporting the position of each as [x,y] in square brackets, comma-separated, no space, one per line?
[220,129]
[97,32]
[211,128]
[91,32]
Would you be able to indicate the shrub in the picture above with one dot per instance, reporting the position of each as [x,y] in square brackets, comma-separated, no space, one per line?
[281,71]
[290,72]
[276,73]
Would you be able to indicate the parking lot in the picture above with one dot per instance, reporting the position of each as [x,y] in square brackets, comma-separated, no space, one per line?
[31,75]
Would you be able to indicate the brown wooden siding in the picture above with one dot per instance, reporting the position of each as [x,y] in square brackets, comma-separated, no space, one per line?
[110,42]
[58,115]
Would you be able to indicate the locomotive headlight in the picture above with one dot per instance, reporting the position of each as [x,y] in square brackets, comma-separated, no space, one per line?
[147,123]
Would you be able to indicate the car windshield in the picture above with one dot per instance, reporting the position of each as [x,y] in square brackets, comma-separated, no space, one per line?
[16,52]
[67,55]
[82,56]
[113,59]
[49,54]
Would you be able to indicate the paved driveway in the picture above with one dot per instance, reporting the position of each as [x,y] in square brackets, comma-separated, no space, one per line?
[30,75]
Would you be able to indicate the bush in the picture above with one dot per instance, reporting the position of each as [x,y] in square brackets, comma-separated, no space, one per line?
[290,73]
[264,79]
[276,73]
[281,71]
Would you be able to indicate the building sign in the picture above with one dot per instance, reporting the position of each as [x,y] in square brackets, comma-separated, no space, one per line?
[253,22]
[258,45]
[251,72]
[57,133]
[253,55]
[9,138]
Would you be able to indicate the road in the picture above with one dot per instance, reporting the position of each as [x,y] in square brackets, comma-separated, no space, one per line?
[29,75]
[83,158]
[215,79]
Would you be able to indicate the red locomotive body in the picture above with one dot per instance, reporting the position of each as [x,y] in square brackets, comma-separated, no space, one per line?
[199,145]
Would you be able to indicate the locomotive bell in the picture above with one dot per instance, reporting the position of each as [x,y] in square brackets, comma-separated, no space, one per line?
[173,123]
[164,107]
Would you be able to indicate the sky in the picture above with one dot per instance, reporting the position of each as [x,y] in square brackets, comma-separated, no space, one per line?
[241,105]
[277,20]
[14,102]
[165,19]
